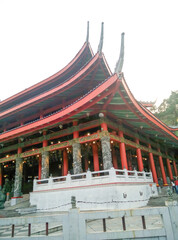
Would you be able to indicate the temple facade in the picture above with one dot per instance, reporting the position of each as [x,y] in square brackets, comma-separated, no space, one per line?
[82,118]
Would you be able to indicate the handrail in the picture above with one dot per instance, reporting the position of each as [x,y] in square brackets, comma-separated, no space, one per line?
[110,175]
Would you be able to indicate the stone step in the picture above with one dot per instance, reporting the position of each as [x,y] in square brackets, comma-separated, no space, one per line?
[28,210]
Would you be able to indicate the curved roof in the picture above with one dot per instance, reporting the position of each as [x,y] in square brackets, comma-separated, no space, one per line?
[82,57]
[85,85]
[89,76]
[126,108]
[104,89]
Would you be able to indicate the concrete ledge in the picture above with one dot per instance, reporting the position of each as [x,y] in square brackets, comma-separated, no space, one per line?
[15,200]
[171,203]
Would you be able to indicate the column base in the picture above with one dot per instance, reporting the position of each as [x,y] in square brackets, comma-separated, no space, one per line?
[15,200]
[165,185]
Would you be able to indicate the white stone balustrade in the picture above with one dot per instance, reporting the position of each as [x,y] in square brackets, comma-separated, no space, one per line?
[89,178]
[108,189]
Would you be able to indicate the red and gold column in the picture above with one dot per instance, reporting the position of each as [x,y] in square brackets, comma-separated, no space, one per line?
[65,163]
[169,169]
[75,133]
[114,158]
[123,152]
[95,157]
[39,167]
[162,170]
[175,168]
[104,126]
[152,165]
[139,158]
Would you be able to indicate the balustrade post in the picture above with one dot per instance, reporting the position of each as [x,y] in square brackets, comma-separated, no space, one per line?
[112,173]
[136,174]
[50,181]
[88,175]
[34,184]
[125,173]
[68,178]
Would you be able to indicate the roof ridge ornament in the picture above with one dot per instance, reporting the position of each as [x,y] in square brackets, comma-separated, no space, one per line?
[100,46]
[119,64]
[87,38]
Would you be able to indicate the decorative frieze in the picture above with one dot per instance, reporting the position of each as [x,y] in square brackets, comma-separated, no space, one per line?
[53,135]
[81,140]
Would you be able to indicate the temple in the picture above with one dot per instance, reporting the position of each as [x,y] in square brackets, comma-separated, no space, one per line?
[83,119]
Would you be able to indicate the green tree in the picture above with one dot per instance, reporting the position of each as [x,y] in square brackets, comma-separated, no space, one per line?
[167,112]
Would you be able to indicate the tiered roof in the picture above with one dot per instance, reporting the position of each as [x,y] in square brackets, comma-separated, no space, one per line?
[86,86]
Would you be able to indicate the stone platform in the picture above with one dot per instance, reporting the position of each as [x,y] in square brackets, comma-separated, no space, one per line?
[108,189]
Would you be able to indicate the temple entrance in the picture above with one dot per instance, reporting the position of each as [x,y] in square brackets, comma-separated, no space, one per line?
[30,171]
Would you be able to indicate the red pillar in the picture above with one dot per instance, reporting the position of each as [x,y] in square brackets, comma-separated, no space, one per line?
[45,142]
[104,126]
[39,168]
[86,164]
[162,170]
[175,168]
[130,165]
[75,133]
[114,158]
[152,165]
[129,160]
[139,158]
[123,152]
[95,157]
[65,163]
[19,150]
[169,169]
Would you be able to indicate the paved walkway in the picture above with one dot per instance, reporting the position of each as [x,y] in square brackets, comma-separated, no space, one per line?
[93,226]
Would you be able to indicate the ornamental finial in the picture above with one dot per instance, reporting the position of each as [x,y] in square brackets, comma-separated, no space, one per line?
[100,46]
[120,62]
[87,39]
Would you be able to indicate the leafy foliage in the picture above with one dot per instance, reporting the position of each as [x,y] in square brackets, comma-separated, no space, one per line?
[167,112]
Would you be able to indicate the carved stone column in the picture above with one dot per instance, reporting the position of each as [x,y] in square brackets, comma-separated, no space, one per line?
[45,165]
[106,152]
[18,177]
[77,162]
